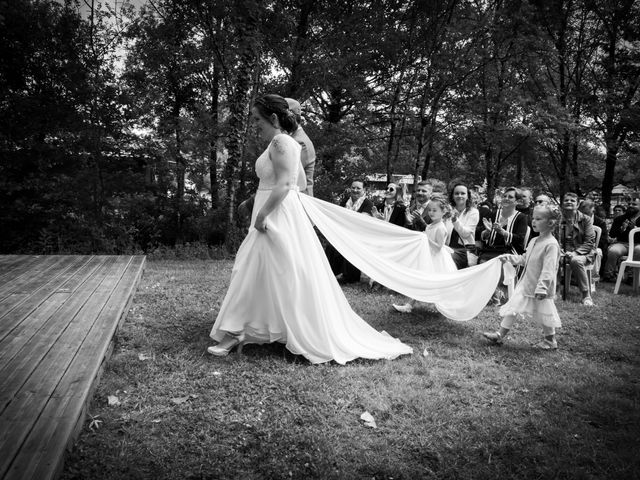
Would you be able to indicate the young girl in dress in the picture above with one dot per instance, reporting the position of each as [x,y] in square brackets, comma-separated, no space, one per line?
[534,294]
[438,209]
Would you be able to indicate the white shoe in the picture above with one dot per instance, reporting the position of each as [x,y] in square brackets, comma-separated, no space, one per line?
[223,348]
[406,308]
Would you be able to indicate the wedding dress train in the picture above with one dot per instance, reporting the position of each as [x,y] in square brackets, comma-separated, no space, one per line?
[282,288]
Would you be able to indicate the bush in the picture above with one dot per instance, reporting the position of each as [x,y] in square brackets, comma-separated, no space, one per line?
[187,251]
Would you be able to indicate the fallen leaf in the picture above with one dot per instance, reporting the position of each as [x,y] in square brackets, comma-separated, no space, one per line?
[425,353]
[180,400]
[113,401]
[95,423]
[368,420]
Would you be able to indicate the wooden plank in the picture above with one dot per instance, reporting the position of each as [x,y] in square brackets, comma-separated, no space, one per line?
[37,274]
[42,453]
[56,335]
[24,264]
[8,261]
[37,291]
[34,394]
[29,318]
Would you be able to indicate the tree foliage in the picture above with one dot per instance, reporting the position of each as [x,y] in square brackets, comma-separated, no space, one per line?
[123,129]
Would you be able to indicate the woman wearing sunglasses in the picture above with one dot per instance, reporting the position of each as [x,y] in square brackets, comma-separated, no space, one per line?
[392,208]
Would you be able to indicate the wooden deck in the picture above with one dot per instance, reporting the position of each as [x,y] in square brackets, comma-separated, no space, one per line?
[58,315]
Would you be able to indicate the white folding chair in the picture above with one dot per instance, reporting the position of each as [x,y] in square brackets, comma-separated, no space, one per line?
[629,262]
[589,268]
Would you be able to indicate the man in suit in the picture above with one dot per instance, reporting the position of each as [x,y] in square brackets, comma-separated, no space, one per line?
[417,216]
[308,152]
[358,202]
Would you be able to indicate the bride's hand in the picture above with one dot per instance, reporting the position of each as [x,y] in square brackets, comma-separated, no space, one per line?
[261,224]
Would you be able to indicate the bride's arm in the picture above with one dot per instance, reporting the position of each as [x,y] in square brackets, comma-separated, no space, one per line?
[280,154]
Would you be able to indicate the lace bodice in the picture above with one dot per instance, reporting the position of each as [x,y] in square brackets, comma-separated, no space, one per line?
[289,149]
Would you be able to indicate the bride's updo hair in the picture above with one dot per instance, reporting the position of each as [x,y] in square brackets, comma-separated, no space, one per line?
[269,104]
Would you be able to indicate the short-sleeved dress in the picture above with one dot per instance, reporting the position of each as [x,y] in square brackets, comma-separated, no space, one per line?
[442,259]
[540,263]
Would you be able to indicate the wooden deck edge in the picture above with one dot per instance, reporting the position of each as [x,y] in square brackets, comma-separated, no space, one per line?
[56,471]
[77,429]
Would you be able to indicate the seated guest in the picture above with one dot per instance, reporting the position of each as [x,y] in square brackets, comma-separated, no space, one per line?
[504,233]
[417,215]
[392,208]
[619,232]
[358,202]
[464,219]
[437,186]
[599,211]
[618,210]
[588,208]
[577,243]
[543,199]
[485,211]
[525,205]
[506,230]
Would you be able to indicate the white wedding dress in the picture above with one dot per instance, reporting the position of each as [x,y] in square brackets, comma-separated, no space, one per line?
[283,290]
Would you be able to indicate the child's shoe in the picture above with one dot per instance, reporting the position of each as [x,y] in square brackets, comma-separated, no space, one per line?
[495,337]
[545,344]
[406,308]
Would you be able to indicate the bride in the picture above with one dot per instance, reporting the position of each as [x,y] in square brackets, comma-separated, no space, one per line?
[282,288]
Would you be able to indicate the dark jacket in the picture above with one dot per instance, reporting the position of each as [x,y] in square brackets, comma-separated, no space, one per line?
[513,242]
[397,215]
[621,226]
[419,226]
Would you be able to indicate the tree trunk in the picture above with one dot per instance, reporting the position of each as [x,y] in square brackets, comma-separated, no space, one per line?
[296,79]
[213,143]
[431,131]
[248,19]
[392,127]
[609,170]
[490,172]
[180,168]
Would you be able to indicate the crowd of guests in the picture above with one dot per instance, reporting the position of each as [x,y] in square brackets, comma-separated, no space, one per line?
[478,229]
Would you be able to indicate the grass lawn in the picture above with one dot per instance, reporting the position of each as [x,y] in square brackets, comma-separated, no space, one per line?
[457,408]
